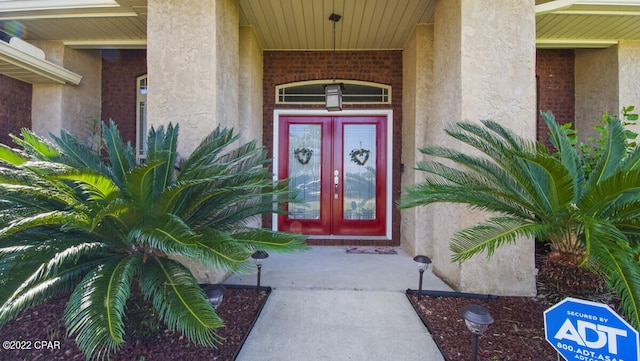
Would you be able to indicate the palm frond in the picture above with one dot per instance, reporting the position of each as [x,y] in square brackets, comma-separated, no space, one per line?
[552,181]
[121,158]
[511,178]
[161,147]
[611,252]
[614,152]
[40,267]
[53,218]
[180,302]
[491,234]
[600,196]
[36,145]
[12,156]
[139,186]
[46,289]
[78,154]
[96,186]
[206,151]
[95,309]
[170,235]
[115,220]
[266,240]
[632,161]
[568,154]
[220,250]
[36,197]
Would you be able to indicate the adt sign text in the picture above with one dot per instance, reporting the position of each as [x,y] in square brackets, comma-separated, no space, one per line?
[589,331]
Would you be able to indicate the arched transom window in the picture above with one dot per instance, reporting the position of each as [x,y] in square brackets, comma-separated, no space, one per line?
[312,92]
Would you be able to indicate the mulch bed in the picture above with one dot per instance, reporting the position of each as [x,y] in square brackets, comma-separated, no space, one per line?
[516,334]
[239,310]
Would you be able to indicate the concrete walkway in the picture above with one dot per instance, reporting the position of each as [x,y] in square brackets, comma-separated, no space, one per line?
[330,305]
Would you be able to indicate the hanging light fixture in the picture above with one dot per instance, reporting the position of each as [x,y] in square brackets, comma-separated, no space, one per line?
[333,91]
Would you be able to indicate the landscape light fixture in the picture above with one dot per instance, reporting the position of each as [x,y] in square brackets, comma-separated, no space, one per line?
[258,258]
[215,294]
[333,91]
[477,319]
[423,263]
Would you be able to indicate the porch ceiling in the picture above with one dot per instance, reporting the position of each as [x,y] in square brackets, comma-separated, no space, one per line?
[586,23]
[303,24]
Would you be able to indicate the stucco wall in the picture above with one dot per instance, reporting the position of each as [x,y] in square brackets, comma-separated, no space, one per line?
[250,104]
[192,68]
[417,56]
[70,107]
[82,104]
[596,91]
[193,65]
[484,67]
[629,79]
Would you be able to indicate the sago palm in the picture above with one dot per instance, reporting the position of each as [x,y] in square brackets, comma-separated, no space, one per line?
[93,224]
[530,192]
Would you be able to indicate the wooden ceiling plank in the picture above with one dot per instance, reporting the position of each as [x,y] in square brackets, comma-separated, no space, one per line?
[367,21]
[281,13]
[261,24]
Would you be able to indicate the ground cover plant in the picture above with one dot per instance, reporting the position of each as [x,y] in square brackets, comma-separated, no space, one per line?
[92,223]
[589,220]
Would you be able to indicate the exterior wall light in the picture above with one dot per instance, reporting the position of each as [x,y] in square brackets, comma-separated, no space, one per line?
[477,319]
[333,96]
[333,91]
[258,258]
[423,263]
[215,294]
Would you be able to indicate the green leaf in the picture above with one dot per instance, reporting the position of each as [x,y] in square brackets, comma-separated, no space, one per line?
[180,302]
[612,254]
[77,154]
[489,235]
[98,187]
[121,157]
[36,145]
[11,156]
[161,148]
[96,308]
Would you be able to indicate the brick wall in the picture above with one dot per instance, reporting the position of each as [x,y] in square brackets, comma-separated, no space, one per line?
[120,68]
[556,87]
[15,107]
[373,66]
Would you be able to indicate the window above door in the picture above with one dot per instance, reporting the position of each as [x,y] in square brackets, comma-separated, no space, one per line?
[312,92]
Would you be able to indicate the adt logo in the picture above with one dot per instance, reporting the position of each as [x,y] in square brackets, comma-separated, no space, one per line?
[589,331]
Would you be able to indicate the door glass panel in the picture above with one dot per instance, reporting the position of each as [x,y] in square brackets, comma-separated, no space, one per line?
[304,169]
[359,171]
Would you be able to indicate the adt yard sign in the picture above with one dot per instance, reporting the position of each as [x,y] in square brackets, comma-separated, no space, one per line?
[589,331]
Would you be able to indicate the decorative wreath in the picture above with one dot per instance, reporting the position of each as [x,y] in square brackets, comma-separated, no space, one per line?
[303,155]
[360,156]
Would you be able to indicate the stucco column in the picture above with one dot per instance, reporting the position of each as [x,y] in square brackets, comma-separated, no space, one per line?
[417,122]
[75,108]
[251,73]
[596,91]
[484,68]
[616,84]
[629,74]
[193,65]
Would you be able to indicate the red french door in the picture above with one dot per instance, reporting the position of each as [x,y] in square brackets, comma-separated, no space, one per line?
[338,166]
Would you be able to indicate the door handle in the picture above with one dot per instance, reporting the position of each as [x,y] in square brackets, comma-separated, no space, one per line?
[336,181]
